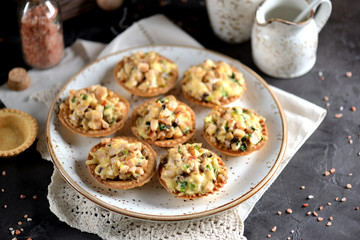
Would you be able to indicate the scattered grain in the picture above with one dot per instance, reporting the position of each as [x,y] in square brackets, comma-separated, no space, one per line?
[320,219]
[29,239]
[292,231]
[321,208]
[315,214]
[348,186]
[327,173]
[329,203]
[348,74]
[329,224]
[322,78]
[274,229]
[29,219]
[343,199]
[26,216]
[321,74]
[279,212]
[326,98]
[308,213]
[305,205]
[269,235]
[22,196]
[351,141]
[350,174]
[338,115]
[302,187]
[35,197]
[2,190]
[349,137]
[353,108]
[357,208]
[5,206]
[289,211]
[19,223]
[17,232]
[336,199]
[310,197]
[332,170]
[331,218]
[341,108]
[3,173]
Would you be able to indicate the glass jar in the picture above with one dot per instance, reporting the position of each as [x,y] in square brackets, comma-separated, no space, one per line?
[41,33]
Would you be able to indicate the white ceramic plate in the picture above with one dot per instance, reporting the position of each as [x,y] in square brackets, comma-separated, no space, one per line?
[247,175]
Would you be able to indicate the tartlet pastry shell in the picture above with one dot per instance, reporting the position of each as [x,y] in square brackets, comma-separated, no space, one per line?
[127,184]
[230,152]
[64,118]
[22,122]
[217,186]
[148,92]
[163,143]
[210,104]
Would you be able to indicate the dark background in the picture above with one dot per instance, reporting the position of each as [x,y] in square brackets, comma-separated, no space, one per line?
[338,52]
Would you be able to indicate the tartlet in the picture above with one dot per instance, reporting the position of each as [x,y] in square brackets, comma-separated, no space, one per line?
[190,171]
[213,84]
[94,111]
[235,131]
[18,131]
[146,74]
[122,162]
[164,122]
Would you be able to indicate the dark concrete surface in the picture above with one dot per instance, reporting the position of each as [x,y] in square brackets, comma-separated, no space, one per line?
[328,147]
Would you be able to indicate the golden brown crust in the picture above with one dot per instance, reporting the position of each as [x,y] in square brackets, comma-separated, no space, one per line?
[152,91]
[238,153]
[127,184]
[210,104]
[219,184]
[64,114]
[163,143]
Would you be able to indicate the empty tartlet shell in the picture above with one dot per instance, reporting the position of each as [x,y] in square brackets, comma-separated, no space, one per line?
[23,122]
[210,104]
[64,118]
[216,188]
[231,152]
[127,184]
[163,143]
[148,92]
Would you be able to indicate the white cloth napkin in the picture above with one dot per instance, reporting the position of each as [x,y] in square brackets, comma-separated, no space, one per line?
[302,117]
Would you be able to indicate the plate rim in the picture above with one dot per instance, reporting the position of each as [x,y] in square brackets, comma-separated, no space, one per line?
[144,216]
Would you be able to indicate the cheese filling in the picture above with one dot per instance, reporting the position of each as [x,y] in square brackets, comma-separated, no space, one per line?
[236,128]
[94,108]
[119,159]
[164,119]
[146,70]
[213,82]
[190,169]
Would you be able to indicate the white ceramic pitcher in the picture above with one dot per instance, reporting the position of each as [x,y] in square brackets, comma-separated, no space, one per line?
[282,48]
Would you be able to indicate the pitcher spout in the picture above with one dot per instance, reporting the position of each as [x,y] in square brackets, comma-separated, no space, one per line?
[283,11]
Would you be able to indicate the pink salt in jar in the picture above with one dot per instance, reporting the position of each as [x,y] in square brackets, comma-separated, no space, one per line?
[41,33]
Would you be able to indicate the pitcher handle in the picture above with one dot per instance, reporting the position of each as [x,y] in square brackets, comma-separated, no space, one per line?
[322,14]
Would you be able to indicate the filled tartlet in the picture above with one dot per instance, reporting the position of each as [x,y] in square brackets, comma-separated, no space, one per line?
[213,83]
[235,131]
[146,74]
[190,171]
[122,162]
[94,111]
[163,122]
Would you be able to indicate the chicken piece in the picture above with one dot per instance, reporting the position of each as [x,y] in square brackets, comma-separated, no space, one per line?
[143,67]
[154,124]
[101,93]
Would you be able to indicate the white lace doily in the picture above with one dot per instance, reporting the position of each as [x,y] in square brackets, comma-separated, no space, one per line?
[79,212]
